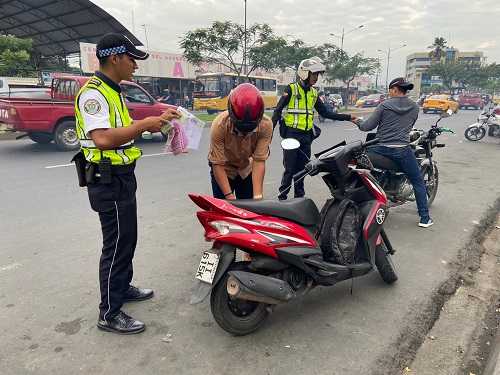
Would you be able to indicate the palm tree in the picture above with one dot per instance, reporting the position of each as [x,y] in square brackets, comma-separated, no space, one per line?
[438,49]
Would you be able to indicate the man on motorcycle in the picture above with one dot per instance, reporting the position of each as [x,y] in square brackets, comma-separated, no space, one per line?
[394,119]
[301,100]
[239,146]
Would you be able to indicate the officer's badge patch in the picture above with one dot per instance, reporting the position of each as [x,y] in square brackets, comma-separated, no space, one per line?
[285,94]
[92,106]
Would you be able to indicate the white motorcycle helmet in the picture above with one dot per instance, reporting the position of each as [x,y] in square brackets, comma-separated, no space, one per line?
[313,64]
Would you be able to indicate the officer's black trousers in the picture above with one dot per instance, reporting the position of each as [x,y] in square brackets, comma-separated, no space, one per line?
[294,161]
[117,208]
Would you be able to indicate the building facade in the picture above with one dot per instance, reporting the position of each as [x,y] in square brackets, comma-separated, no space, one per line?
[418,62]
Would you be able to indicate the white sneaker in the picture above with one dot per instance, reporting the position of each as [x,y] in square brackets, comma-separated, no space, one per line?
[425,222]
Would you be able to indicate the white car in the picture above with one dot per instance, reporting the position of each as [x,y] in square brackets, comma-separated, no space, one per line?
[337,99]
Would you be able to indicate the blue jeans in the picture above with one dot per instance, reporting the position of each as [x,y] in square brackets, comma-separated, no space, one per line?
[409,165]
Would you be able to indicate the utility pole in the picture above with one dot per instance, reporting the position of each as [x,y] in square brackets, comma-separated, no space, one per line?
[146,33]
[388,57]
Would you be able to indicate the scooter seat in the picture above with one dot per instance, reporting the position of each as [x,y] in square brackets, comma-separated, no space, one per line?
[299,210]
[382,162]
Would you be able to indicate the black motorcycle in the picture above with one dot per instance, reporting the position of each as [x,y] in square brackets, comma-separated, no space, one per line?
[394,182]
[331,107]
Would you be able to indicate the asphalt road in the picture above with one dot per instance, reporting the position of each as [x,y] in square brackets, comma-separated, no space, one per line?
[50,244]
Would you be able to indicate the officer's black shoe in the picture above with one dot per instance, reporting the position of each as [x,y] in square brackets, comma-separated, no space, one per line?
[121,324]
[136,294]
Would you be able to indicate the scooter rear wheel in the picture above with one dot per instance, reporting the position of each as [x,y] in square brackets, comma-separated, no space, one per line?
[237,316]
[384,264]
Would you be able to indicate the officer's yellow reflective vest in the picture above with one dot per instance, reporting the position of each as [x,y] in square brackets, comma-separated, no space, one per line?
[118,117]
[300,110]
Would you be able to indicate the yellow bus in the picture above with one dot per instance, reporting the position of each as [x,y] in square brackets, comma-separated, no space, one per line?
[212,90]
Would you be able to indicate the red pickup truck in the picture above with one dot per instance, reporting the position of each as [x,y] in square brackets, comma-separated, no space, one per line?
[474,100]
[47,120]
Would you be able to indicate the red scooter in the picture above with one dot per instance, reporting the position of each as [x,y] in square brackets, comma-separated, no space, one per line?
[293,246]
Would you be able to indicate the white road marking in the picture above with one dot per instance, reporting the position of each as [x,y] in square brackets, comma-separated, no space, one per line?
[10,267]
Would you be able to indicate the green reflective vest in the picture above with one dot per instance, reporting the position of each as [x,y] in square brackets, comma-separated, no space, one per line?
[118,117]
[300,110]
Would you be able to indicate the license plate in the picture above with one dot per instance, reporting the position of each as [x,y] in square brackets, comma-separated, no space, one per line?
[208,265]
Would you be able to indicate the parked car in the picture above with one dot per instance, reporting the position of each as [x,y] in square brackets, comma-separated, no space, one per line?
[374,100]
[360,101]
[472,99]
[440,102]
[47,120]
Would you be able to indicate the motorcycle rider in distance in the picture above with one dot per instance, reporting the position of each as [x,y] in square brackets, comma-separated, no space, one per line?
[394,118]
[301,100]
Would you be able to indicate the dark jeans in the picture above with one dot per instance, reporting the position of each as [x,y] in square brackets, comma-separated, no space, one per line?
[117,208]
[242,188]
[294,161]
[409,165]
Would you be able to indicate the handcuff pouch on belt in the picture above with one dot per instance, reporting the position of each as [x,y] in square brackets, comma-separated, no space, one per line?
[80,163]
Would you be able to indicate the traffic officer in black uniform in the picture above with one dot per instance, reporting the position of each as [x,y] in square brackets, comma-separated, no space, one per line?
[301,100]
[107,135]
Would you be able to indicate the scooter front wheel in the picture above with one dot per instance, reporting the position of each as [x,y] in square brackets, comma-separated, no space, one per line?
[474,133]
[237,316]
[384,264]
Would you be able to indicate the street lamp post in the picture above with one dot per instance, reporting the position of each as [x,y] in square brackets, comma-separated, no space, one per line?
[343,34]
[146,34]
[388,53]
[245,43]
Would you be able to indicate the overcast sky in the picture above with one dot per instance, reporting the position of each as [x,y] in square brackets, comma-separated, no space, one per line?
[469,25]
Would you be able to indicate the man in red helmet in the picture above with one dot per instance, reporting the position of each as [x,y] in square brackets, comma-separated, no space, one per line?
[239,146]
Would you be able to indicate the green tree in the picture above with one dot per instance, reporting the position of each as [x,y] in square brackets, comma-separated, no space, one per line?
[341,66]
[438,49]
[14,56]
[278,53]
[224,42]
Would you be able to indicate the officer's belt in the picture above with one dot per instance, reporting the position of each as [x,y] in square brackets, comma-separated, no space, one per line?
[118,169]
[296,130]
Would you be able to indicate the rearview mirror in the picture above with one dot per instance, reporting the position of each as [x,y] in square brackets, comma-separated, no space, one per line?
[446,113]
[290,144]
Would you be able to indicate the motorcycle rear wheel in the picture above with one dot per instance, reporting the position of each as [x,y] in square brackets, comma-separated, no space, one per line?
[384,264]
[321,119]
[431,180]
[474,133]
[237,316]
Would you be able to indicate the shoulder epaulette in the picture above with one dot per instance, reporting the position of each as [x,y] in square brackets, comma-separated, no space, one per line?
[94,81]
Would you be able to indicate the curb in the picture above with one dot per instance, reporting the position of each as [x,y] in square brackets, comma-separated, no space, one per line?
[493,362]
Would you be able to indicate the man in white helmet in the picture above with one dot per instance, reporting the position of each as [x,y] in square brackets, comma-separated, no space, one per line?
[300,100]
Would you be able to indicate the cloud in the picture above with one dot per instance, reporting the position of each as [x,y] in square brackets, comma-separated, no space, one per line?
[467,25]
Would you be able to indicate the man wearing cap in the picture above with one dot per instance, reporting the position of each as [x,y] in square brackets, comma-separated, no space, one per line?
[107,135]
[394,119]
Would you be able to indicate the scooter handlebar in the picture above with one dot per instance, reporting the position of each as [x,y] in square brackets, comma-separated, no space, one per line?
[374,141]
[300,174]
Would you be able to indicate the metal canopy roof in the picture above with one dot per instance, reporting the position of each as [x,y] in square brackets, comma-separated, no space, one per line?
[58,26]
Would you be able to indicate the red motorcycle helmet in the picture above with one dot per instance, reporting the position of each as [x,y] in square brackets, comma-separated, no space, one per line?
[246,107]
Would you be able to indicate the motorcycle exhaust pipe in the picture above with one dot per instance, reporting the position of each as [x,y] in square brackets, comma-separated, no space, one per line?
[258,288]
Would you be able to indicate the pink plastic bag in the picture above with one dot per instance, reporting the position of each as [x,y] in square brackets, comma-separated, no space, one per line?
[179,140]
